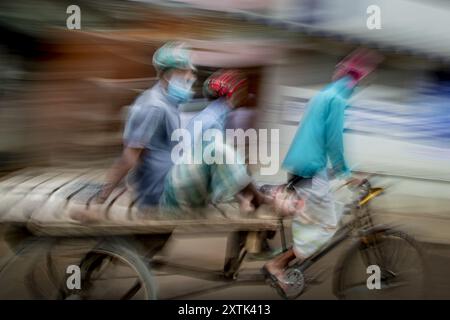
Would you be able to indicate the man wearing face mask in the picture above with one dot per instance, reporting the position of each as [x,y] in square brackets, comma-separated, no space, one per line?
[147,136]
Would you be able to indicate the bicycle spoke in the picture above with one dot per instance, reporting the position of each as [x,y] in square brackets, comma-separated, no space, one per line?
[402,271]
[133,290]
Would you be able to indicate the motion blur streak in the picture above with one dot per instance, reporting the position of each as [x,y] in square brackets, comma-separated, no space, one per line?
[65,94]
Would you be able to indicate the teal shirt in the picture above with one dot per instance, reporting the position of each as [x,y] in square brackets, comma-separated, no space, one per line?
[320,134]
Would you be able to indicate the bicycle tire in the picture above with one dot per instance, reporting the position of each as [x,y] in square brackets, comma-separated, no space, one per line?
[36,248]
[127,251]
[343,267]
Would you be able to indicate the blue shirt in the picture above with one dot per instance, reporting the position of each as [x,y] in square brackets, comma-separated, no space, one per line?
[151,121]
[212,117]
[320,134]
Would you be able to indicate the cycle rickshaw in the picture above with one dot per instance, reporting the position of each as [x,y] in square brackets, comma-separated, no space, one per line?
[117,260]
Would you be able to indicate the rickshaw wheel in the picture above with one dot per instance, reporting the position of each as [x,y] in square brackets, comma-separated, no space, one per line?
[108,269]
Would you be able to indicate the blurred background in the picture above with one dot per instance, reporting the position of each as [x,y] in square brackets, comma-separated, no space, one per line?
[64,93]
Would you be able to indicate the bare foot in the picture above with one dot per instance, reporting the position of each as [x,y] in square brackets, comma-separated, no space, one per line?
[277,273]
[274,269]
[246,206]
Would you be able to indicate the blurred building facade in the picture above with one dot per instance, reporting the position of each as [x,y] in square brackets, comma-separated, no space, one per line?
[64,92]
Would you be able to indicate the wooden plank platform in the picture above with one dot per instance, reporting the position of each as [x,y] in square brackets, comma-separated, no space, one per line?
[44,199]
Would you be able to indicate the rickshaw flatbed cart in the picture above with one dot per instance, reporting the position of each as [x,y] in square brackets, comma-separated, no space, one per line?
[44,200]
[115,258]
[41,201]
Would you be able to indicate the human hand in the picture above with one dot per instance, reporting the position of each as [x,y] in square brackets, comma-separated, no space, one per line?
[103,195]
[354,182]
[93,214]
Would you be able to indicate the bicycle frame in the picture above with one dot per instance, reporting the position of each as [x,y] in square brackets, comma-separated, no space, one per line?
[357,223]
